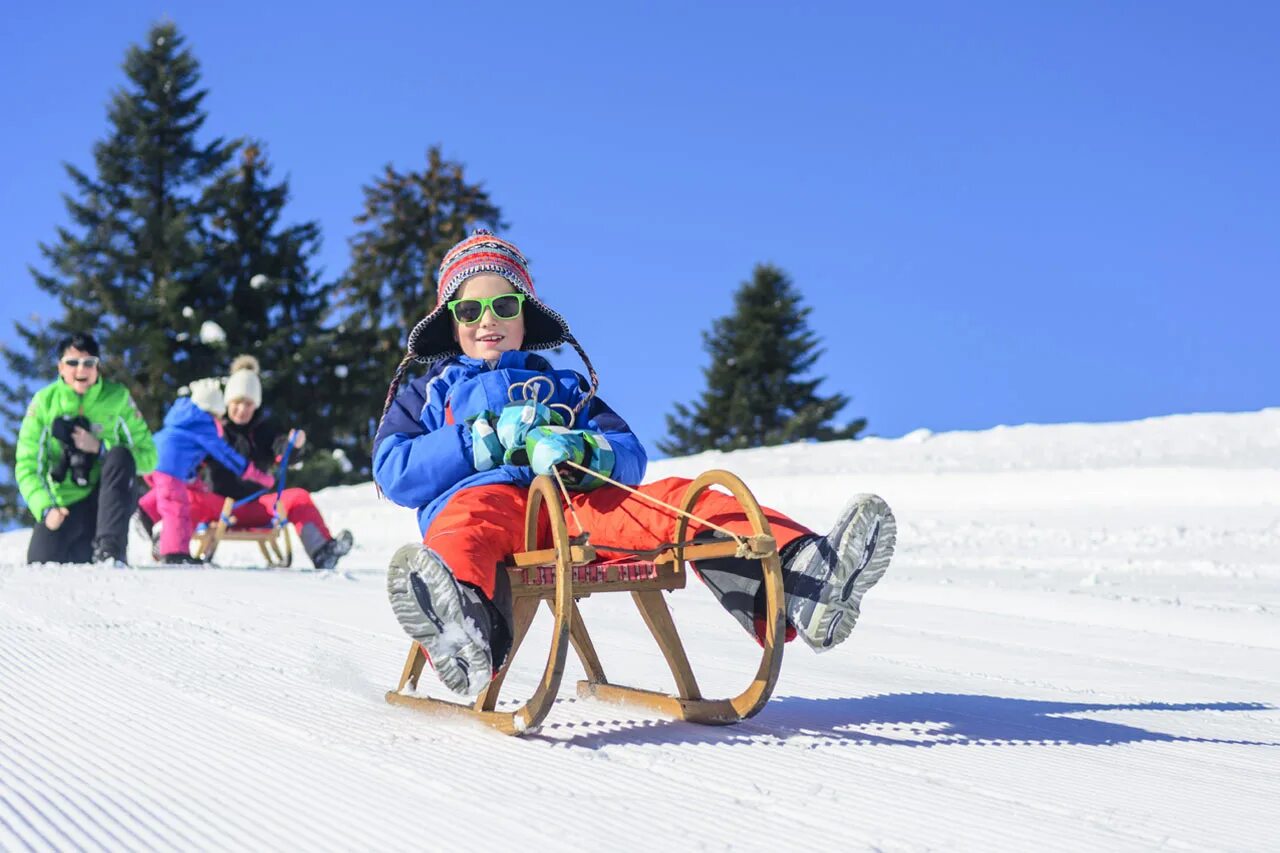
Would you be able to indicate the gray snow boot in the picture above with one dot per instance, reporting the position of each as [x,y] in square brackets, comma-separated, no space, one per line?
[449,619]
[826,577]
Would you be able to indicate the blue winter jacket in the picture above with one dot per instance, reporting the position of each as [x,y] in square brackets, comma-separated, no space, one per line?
[421,457]
[189,435]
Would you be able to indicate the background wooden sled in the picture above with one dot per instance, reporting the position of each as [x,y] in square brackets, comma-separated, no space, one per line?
[567,572]
[273,540]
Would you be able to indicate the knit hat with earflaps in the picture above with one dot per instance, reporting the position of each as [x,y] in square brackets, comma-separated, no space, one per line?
[432,338]
[482,252]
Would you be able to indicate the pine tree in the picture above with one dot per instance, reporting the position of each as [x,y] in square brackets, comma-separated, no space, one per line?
[756,392]
[410,220]
[130,268]
[274,305]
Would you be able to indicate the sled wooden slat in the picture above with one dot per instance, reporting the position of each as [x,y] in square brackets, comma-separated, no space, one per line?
[547,557]
[274,542]
[539,581]
[657,618]
[582,644]
[565,573]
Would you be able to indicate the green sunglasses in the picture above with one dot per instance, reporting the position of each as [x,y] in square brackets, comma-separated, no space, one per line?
[506,306]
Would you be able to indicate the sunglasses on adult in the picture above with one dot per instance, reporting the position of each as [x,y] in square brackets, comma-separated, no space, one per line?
[468,312]
[91,361]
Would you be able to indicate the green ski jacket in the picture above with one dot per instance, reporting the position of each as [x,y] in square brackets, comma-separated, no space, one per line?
[116,421]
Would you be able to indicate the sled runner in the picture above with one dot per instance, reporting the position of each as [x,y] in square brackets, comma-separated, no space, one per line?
[569,571]
[273,540]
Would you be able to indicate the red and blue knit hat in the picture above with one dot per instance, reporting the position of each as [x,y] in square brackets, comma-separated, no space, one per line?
[482,252]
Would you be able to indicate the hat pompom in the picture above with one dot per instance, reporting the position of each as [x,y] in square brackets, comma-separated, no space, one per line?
[245,362]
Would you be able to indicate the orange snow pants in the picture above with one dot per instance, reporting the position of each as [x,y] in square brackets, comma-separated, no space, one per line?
[480,527]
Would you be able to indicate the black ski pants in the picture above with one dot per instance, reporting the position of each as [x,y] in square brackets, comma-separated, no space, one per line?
[101,520]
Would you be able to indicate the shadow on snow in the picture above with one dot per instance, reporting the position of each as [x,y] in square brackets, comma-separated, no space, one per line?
[903,719]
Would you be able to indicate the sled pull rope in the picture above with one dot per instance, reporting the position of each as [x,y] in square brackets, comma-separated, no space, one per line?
[743,547]
[568,502]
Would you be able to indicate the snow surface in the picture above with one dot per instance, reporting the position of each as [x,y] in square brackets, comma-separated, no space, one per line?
[1076,647]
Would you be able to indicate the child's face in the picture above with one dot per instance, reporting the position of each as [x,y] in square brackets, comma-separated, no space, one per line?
[491,336]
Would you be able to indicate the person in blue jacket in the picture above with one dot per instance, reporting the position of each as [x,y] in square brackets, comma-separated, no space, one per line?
[462,443]
[189,435]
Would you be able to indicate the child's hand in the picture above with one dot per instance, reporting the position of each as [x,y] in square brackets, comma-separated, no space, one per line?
[548,446]
[254,475]
[85,441]
[515,423]
[55,516]
[486,449]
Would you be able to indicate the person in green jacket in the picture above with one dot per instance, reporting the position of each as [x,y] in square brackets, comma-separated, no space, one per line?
[81,446]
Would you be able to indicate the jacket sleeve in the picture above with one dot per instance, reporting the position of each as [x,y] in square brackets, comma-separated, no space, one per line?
[416,462]
[630,458]
[29,469]
[222,452]
[132,431]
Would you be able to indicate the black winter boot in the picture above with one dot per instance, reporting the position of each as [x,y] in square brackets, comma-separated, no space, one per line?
[107,551]
[181,560]
[326,556]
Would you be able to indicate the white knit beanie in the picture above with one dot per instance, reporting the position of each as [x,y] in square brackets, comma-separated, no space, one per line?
[207,395]
[244,383]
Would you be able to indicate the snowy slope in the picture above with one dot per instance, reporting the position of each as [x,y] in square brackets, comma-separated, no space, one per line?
[1076,647]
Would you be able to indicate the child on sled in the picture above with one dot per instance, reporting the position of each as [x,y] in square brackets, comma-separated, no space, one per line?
[190,433]
[462,444]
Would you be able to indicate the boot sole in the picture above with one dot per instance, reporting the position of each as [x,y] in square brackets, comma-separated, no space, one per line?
[864,549]
[460,658]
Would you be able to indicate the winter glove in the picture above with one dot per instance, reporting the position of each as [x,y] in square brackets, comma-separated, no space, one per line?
[282,441]
[548,446]
[515,423]
[254,475]
[486,449]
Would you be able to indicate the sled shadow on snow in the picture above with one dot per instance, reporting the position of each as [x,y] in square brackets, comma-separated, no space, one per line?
[905,720]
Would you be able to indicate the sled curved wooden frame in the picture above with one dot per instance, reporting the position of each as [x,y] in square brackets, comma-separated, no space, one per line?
[564,573]
[274,542]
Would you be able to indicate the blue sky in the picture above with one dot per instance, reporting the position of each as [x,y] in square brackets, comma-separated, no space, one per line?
[999,212]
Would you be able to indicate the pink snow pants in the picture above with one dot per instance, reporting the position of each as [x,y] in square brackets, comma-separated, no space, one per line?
[172,505]
[204,507]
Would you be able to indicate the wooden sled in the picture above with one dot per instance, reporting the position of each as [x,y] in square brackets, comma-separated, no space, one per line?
[567,572]
[273,541]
